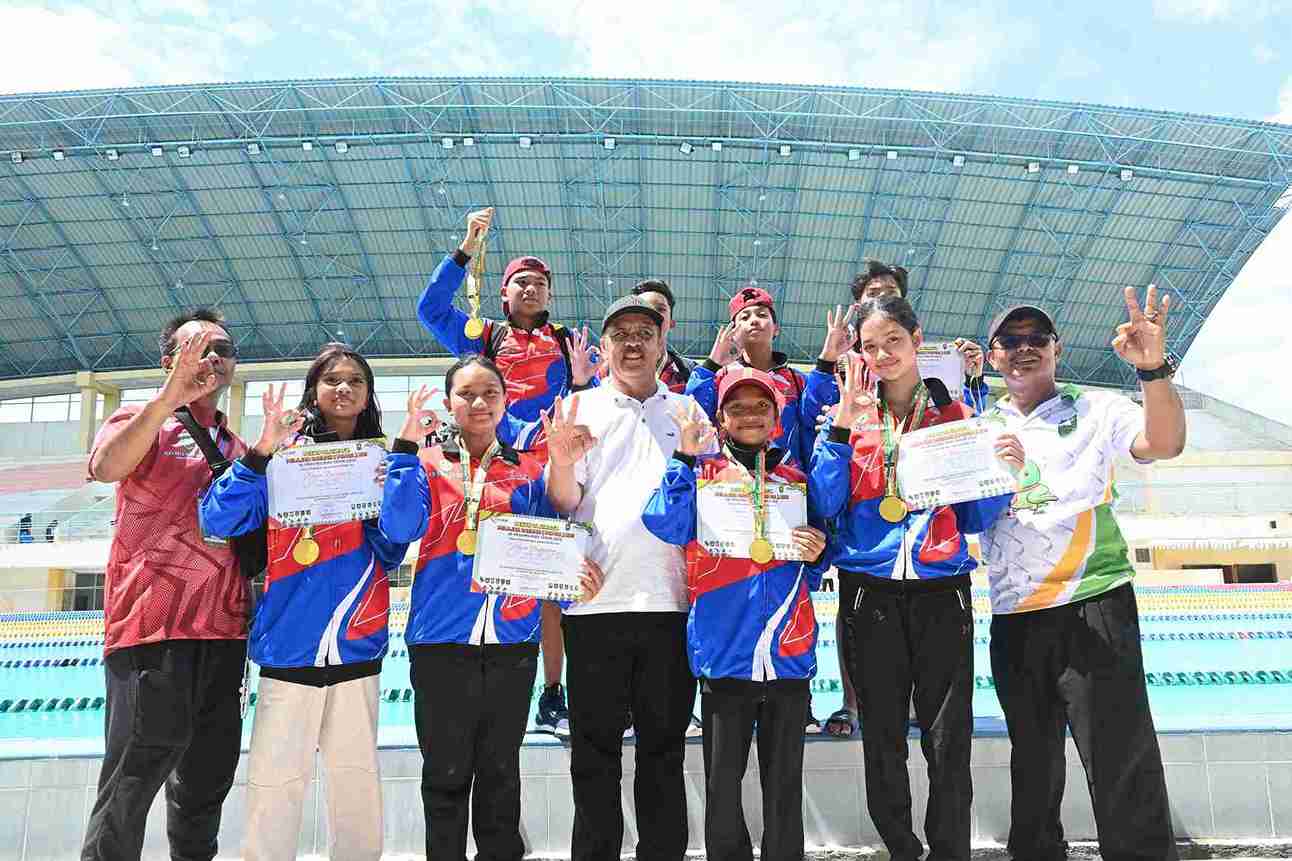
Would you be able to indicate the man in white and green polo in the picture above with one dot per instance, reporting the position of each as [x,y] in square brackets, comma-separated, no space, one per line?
[1065,645]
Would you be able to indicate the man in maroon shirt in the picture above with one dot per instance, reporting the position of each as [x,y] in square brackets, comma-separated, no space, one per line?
[175,610]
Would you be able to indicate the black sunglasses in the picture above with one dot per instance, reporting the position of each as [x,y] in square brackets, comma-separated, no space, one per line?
[223,349]
[1035,340]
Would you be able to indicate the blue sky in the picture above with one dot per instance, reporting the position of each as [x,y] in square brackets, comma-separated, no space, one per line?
[1224,57]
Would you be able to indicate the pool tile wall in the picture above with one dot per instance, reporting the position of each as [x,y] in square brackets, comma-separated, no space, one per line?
[1222,786]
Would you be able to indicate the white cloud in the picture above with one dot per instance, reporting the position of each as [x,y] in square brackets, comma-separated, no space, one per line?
[1237,355]
[1264,54]
[154,42]
[1193,10]
[1284,112]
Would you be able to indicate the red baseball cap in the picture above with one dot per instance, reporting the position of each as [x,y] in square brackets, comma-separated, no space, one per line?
[750,296]
[526,264]
[752,377]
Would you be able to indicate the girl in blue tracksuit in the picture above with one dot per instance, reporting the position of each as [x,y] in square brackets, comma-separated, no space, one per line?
[904,582]
[320,631]
[751,631]
[474,655]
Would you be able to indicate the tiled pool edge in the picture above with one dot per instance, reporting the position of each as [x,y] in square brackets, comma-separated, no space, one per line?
[1223,785]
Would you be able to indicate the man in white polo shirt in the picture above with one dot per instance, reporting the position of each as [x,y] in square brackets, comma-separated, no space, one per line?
[1065,643]
[626,647]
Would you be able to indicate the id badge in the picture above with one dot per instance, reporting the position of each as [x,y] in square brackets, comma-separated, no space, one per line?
[207,539]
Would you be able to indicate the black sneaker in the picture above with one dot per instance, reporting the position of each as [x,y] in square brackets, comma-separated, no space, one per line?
[553,716]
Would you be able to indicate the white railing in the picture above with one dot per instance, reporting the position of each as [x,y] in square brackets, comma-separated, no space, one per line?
[86,524]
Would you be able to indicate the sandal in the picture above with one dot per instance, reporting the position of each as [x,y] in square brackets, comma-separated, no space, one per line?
[841,724]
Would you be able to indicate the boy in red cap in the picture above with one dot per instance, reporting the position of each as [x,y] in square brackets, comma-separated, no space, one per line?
[539,360]
[752,631]
[747,342]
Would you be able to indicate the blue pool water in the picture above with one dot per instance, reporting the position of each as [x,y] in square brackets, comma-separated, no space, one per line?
[1246,645]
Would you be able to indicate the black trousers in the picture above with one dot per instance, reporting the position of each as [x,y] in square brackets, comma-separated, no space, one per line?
[730,709]
[471,706]
[617,662]
[920,642]
[1080,665]
[173,716]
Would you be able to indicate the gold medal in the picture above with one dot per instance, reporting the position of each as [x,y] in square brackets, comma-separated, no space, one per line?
[306,551]
[474,328]
[467,542]
[761,551]
[892,509]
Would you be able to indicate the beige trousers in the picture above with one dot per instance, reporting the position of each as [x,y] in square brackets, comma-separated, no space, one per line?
[292,722]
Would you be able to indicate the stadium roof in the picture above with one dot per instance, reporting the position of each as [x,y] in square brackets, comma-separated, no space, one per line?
[315,210]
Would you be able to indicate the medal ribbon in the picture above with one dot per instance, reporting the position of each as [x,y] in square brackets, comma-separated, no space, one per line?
[893,430]
[475,275]
[473,487]
[757,490]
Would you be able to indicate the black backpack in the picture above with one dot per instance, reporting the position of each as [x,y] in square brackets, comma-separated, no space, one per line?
[252,549]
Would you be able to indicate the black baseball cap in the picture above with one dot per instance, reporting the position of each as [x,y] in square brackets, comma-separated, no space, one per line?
[631,305]
[1016,311]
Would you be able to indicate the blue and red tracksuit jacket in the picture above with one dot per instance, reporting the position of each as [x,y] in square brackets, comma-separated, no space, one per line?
[796,429]
[447,604]
[334,611]
[531,361]
[847,473]
[748,621]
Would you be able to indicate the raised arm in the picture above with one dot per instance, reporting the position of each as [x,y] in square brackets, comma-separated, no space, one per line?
[1141,341]
[435,307]
[190,378]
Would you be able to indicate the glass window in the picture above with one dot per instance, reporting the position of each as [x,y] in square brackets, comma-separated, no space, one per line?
[392,402]
[15,412]
[392,384]
[51,408]
[138,396]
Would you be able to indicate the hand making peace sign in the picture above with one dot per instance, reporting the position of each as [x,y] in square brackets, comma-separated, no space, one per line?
[1141,341]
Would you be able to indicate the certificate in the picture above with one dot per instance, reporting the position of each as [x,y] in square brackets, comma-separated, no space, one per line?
[329,482]
[541,557]
[725,518]
[952,462]
[943,361]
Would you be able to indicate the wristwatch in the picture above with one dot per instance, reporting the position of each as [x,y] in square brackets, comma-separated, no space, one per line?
[1164,371]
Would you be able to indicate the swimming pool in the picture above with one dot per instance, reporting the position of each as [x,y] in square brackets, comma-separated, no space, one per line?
[1214,657]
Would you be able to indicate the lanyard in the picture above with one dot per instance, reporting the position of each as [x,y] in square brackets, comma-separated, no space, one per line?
[472,491]
[893,431]
[760,549]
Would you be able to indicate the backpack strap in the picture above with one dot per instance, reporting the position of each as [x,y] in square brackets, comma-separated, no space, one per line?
[562,336]
[214,458]
[494,334]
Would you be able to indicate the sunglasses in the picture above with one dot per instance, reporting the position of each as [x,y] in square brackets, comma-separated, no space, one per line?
[1035,340]
[223,349]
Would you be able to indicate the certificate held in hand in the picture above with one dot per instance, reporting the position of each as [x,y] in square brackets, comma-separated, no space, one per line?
[541,557]
[322,483]
[950,463]
[725,518]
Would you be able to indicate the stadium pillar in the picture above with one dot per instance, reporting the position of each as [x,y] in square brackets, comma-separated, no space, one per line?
[91,388]
[237,404]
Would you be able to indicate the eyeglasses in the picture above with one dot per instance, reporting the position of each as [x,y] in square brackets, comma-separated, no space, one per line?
[641,336]
[223,349]
[1035,340]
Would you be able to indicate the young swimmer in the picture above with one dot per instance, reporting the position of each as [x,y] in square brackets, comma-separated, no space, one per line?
[904,583]
[752,631]
[320,631]
[474,655]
